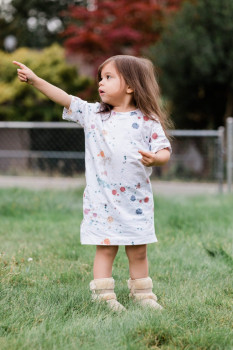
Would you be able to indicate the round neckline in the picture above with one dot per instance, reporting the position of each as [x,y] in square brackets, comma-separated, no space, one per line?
[134,111]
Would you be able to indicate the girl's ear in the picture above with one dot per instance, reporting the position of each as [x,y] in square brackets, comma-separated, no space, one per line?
[129,90]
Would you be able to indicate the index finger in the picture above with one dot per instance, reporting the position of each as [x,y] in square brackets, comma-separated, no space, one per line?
[144,153]
[21,65]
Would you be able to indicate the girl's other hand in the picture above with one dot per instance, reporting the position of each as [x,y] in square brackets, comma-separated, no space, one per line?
[155,159]
[148,158]
[25,74]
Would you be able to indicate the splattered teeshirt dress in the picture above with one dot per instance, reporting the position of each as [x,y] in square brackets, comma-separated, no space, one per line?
[118,206]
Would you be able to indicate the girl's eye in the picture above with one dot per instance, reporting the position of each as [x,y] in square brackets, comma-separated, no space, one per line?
[108,76]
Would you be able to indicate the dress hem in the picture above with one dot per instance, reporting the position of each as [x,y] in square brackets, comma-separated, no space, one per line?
[119,244]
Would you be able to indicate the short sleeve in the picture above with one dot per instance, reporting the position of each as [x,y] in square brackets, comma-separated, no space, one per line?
[158,139]
[79,111]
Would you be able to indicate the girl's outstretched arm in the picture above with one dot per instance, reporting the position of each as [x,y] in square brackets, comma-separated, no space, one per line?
[55,94]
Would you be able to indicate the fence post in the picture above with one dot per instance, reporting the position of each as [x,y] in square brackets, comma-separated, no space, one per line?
[220,156]
[229,152]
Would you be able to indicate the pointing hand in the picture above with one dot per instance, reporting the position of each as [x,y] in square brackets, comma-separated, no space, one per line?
[25,74]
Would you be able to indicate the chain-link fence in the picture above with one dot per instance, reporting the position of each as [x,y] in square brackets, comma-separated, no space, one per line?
[57,148]
[40,148]
[198,155]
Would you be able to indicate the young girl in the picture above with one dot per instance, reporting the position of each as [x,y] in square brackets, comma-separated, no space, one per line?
[124,137]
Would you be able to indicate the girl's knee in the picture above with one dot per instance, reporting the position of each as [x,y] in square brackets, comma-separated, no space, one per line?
[136,252]
[108,251]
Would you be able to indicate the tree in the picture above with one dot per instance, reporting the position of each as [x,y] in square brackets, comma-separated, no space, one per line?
[116,27]
[35,23]
[195,56]
[19,101]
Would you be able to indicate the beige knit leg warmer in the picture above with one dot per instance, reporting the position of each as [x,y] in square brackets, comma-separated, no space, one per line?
[103,289]
[141,291]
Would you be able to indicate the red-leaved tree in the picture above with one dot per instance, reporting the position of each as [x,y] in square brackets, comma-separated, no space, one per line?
[116,27]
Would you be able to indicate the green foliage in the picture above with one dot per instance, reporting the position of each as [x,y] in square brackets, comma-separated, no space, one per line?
[16,14]
[20,101]
[195,57]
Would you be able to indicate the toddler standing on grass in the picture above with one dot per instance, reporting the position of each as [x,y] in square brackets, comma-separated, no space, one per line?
[125,135]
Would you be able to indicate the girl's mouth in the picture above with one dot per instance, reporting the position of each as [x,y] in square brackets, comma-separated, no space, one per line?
[101,92]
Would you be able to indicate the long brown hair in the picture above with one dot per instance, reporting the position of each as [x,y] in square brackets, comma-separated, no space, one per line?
[139,74]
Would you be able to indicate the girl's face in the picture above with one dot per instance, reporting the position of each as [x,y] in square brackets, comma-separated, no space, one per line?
[112,86]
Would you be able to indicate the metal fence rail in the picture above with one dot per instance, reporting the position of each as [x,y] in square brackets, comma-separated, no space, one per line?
[39,125]
[60,145]
[42,154]
[195,133]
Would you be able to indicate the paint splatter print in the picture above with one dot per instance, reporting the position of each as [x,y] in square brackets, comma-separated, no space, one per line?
[135,125]
[106,241]
[118,206]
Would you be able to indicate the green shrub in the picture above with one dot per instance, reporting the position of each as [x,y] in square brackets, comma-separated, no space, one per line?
[20,101]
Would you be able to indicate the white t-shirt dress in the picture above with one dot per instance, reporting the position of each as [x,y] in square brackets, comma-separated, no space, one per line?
[118,207]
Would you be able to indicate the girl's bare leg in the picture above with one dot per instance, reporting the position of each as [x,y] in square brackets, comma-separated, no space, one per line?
[103,262]
[138,263]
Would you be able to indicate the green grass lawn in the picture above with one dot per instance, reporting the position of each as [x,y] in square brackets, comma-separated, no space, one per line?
[45,303]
